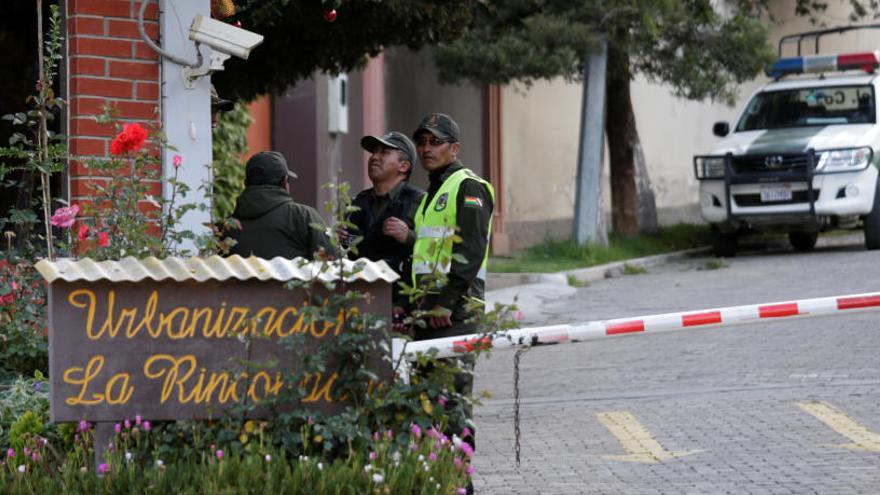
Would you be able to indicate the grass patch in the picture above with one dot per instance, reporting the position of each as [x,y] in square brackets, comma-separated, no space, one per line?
[576,282]
[633,269]
[558,255]
[715,264]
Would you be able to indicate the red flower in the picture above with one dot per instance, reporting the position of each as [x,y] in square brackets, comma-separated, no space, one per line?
[103,239]
[8,298]
[83,232]
[131,138]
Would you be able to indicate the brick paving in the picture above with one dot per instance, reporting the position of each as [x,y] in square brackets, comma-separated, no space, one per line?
[729,393]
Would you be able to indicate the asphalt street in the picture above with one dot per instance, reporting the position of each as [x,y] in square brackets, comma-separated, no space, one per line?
[784,407]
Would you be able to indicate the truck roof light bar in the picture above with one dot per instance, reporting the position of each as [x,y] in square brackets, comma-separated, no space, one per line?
[866,61]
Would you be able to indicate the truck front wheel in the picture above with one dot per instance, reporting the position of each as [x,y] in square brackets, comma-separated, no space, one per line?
[872,222]
[723,243]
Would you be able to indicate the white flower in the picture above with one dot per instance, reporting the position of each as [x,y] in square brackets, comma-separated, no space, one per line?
[427,468]
[395,456]
[421,457]
[455,440]
[268,458]
[159,462]
[320,466]
[378,478]
[128,456]
[367,468]
[21,468]
[431,478]
[438,486]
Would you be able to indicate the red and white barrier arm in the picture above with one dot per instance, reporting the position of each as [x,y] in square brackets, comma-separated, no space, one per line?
[577,332]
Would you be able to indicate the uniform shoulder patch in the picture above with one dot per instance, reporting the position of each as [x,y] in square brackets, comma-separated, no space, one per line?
[473,201]
[441,202]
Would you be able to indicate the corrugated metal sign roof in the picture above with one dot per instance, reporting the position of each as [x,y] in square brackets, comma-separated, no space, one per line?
[214,268]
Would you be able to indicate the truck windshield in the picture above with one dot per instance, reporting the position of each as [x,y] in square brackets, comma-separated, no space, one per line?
[809,107]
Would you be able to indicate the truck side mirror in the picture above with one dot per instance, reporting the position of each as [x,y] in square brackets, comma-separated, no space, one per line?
[721,129]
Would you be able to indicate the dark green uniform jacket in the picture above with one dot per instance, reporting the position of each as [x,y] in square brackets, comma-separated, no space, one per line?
[272,224]
[473,224]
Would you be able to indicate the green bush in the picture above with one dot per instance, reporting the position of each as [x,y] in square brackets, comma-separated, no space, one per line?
[18,397]
[229,145]
[425,462]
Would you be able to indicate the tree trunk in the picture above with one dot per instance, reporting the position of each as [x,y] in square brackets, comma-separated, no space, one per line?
[632,200]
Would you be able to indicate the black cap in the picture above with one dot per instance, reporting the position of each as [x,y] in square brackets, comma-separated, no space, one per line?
[219,104]
[267,167]
[393,139]
[440,125]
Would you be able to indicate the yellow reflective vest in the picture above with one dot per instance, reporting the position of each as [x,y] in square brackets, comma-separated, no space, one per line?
[435,227]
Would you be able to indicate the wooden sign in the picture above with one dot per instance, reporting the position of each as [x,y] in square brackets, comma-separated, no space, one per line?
[185,350]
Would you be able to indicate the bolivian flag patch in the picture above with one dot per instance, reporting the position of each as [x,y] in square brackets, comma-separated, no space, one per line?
[473,201]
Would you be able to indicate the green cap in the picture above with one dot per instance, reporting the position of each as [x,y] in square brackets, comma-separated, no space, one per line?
[392,139]
[267,167]
[440,125]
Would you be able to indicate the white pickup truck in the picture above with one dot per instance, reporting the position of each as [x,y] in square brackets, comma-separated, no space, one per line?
[802,156]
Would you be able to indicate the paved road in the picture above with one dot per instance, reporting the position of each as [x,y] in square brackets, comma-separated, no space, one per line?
[766,408]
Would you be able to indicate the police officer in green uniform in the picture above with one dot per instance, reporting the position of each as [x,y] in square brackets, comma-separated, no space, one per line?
[458,202]
[272,223]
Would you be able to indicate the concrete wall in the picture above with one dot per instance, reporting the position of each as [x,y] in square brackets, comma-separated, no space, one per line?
[412,91]
[540,143]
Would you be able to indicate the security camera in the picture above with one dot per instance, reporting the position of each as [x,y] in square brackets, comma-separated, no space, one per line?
[223,37]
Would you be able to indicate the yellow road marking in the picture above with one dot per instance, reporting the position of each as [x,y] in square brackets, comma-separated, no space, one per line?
[839,421]
[635,439]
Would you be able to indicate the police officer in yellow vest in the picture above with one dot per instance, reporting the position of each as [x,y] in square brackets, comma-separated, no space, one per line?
[458,203]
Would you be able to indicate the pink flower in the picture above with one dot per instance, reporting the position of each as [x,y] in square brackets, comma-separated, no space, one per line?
[466,432]
[146,426]
[137,419]
[441,399]
[117,428]
[467,449]
[176,161]
[35,456]
[461,491]
[83,425]
[103,468]
[83,232]
[219,454]
[416,430]
[131,138]
[469,470]
[127,424]
[104,241]
[10,453]
[457,462]
[432,456]
[373,456]
[26,451]
[64,216]
[389,434]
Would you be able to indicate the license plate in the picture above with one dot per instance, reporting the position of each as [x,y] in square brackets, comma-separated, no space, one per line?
[770,194]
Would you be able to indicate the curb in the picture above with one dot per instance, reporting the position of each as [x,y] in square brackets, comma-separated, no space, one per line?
[590,274]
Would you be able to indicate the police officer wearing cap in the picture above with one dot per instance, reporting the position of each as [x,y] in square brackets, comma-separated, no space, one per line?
[272,223]
[458,202]
[384,220]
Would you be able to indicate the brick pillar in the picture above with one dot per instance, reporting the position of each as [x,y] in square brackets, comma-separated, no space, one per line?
[108,65]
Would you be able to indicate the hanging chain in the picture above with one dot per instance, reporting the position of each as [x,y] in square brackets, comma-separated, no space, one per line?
[516,430]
